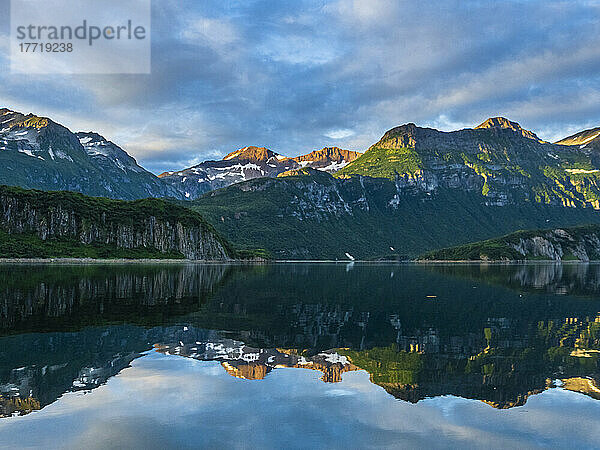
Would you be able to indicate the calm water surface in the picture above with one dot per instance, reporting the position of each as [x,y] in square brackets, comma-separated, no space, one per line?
[300,355]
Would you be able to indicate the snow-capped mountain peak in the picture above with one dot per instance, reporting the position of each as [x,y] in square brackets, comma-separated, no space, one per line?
[252,162]
[39,153]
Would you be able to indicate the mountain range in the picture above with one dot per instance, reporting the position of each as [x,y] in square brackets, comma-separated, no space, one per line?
[416,189]
[498,159]
[37,153]
[252,162]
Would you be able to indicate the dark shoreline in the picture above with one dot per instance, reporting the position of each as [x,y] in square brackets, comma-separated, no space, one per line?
[282,261]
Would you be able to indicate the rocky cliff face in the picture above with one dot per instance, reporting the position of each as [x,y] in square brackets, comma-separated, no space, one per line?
[582,244]
[148,223]
[576,243]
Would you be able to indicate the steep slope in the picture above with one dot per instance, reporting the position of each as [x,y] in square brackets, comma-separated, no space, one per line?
[328,159]
[244,164]
[251,162]
[36,152]
[498,159]
[417,189]
[586,142]
[60,224]
[122,170]
[577,243]
[312,215]
[253,154]
[503,123]
[583,138]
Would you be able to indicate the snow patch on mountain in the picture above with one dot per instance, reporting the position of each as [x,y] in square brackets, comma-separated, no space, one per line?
[253,162]
[97,146]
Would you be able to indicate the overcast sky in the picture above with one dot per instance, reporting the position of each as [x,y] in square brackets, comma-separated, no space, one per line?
[298,75]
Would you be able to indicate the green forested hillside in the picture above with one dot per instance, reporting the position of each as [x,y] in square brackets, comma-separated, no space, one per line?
[316,216]
[498,159]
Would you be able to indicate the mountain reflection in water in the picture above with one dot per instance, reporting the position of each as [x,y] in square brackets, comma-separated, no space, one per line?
[496,333]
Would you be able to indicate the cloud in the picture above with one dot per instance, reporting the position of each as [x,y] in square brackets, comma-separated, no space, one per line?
[366,14]
[217,33]
[169,401]
[295,76]
[339,133]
